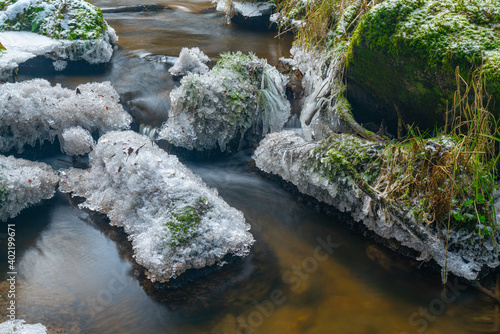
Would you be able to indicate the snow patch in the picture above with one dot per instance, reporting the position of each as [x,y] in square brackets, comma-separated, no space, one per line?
[174,221]
[34,111]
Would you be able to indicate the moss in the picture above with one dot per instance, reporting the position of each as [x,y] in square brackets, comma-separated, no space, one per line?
[72,19]
[406,52]
[185,223]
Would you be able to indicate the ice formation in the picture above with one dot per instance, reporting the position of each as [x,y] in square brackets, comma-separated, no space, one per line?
[246,9]
[59,30]
[190,60]
[20,327]
[174,221]
[287,154]
[23,183]
[240,92]
[34,111]
[76,141]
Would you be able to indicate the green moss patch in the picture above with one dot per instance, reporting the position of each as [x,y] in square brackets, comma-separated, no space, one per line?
[406,52]
[185,222]
[71,19]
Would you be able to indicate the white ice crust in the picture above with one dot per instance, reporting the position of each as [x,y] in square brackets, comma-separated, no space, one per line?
[23,183]
[141,187]
[20,327]
[34,111]
[285,153]
[190,60]
[76,141]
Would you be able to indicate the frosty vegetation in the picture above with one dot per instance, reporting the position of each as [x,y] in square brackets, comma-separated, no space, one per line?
[241,92]
[20,327]
[23,183]
[76,141]
[320,170]
[34,111]
[190,60]
[174,221]
[60,30]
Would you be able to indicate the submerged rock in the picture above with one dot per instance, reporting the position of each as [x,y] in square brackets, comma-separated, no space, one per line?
[34,111]
[240,93]
[19,326]
[24,183]
[60,30]
[403,56]
[333,172]
[174,221]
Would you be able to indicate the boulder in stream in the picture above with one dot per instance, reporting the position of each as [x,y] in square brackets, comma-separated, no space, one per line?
[404,54]
[173,220]
[59,30]
[24,183]
[34,111]
[241,94]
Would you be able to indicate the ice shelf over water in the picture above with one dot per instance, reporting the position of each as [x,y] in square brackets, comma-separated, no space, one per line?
[34,111]
[23,183]
[20,327]
[174,221]
[190,60]
[287,154]
[239,93]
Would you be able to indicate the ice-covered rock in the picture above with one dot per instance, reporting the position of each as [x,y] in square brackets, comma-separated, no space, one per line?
[21,327]
[76,141]
[190,60]
[210,110]
[34,111]
[292,158]
[174,221]
[60,30]
[23,183]
[250,13]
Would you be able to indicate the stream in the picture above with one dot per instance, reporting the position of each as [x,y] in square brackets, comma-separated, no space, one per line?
[310,273]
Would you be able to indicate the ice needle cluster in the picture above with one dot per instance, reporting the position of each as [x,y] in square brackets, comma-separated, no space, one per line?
[174,221]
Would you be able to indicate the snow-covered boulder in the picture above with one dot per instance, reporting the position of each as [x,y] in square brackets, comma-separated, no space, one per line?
[213,109]
[24,183]
[190,60]
[60,30]
[20,327]
[76,141]
[34,111]
[174,221]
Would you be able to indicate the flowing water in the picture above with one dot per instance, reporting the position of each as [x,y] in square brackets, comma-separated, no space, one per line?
[307,273]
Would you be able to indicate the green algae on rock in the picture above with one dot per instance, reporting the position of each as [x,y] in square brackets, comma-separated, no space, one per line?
[406,52]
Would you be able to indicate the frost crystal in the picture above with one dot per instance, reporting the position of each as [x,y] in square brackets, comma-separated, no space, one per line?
[287,155]
[76,141]
[23,183]
[33,111]
[190,60]
[174,221]
[20,327]
[240,92]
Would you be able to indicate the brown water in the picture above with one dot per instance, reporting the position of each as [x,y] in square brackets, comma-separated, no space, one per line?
[74,278]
